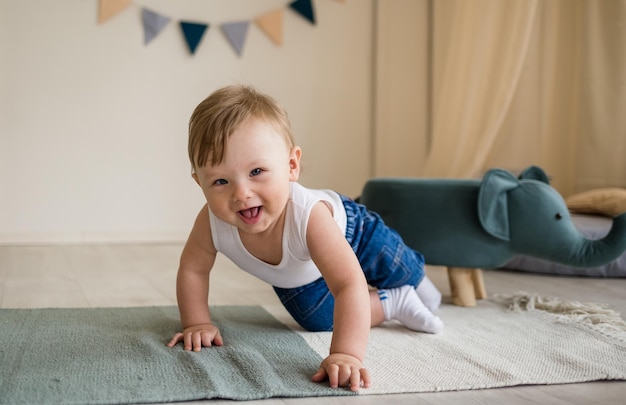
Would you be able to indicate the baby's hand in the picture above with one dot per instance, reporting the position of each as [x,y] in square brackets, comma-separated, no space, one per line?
[343,370]
[198,336]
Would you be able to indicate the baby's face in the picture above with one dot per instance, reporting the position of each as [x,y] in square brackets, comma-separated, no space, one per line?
[250,188]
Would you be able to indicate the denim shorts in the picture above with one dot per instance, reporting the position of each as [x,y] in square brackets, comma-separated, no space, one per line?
[386,262]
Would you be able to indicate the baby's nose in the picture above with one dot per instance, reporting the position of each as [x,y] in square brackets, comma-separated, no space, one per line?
[242,192]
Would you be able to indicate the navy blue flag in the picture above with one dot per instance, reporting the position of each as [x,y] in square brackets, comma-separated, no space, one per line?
[193,33]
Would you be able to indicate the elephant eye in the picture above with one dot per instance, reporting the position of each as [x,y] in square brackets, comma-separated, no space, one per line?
[558,216]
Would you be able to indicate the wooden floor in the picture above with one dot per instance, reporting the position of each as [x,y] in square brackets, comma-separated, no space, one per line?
[140,275]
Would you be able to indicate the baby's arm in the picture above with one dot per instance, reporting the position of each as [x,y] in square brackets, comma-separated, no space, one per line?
[341,270]
[192,288]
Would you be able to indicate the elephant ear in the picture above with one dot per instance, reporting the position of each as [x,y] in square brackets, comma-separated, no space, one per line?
[493,212]
[534,173]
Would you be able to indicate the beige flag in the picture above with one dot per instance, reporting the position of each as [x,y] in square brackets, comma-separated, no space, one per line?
[108,8]
[272,24]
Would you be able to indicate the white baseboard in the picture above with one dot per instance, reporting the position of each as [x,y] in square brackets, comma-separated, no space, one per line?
[86,238]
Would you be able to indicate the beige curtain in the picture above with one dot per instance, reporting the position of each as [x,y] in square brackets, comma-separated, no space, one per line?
[601,153]
[541,126]
[530,82]
[479,48]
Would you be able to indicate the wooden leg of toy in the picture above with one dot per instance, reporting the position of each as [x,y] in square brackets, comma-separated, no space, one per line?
[479,284]
[462,286]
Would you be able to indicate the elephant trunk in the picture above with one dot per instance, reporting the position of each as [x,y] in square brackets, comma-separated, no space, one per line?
[599,252]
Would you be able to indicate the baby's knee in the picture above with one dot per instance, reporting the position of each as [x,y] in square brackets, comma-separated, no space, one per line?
[315,325]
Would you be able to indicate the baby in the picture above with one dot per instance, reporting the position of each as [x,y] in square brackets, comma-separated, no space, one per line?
[318,249]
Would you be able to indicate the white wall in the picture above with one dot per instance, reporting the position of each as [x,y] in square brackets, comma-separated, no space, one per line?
[402,87]
[93,123]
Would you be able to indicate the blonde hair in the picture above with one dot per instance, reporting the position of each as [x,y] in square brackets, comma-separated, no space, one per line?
[220,114]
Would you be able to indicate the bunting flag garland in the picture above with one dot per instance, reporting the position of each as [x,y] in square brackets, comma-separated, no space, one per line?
[153,24]
[109,8]
[305,9]
[270,23]
[193,33]
[236,34]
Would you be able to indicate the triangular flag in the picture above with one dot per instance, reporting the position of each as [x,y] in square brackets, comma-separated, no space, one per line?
[153,24]
[272,24]
[236,34]
[108,8]
[305,9]
[193,33]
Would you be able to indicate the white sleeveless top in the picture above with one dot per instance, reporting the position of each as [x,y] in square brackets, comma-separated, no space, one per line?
[296,267]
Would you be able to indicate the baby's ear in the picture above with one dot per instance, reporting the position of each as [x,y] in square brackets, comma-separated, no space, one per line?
[195,177]
[294,163]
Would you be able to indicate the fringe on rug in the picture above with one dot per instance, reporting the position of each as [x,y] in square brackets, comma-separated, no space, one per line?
[593,313]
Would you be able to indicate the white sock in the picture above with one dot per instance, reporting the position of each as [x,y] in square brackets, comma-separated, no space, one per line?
[429,294]
[404,305]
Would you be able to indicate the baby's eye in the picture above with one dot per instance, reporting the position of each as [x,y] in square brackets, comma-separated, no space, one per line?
[256,172]
[220,182]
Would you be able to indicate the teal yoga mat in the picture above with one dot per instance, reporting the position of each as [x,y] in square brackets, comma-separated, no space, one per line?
[119,355]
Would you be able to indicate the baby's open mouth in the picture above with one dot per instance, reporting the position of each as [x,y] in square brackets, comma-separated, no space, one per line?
[251,214]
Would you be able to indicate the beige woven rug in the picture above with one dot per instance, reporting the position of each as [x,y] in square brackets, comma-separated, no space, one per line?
[512,340]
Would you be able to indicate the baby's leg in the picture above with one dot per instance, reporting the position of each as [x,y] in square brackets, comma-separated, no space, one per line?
[404,305]
[392,267]
[429,294]
[311,305]
[378,315]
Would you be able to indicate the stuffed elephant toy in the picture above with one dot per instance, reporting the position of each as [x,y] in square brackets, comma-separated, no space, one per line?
[483,223]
